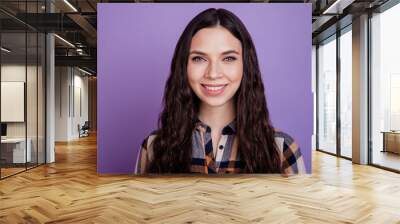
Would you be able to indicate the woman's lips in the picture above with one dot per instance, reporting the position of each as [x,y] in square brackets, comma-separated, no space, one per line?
[213,89]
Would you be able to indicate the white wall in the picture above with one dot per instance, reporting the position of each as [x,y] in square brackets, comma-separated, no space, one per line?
[33,127]
[81,103]
[70,84]
[62,80]
[17,73]
[14,73]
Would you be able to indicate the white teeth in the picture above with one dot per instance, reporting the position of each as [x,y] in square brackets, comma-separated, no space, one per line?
[214,88]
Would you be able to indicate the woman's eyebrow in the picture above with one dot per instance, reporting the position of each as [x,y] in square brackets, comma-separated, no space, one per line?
[197,52]
[230,52]
[224,53]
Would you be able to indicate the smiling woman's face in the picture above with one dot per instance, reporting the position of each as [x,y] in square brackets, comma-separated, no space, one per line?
[215,65]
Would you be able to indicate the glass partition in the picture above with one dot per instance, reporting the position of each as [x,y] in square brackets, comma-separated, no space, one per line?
[13,108]
[22,77]
[32,95]
[41,107]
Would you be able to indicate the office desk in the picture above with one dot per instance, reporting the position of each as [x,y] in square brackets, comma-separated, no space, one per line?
[13,150]
[391,141]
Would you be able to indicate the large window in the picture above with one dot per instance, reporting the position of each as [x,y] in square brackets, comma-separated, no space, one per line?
[385,88]
[346,92]
[334,63]
[327,95]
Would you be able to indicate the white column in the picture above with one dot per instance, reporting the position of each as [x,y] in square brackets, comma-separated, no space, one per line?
[360,90]
[50,100]
[50,92]
[314,92]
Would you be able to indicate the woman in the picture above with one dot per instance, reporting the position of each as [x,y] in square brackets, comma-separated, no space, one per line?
[215,117]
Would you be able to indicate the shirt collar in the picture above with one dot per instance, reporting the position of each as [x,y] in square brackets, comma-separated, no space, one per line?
[227,130]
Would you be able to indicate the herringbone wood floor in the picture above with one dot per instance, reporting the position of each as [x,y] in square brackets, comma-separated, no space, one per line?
[70,191]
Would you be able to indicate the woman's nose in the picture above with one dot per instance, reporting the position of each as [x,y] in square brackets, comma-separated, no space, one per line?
[213,71]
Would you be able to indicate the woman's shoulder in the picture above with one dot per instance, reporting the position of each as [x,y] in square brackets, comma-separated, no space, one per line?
[149,139]
[291,153]
[283,139]
[145,154]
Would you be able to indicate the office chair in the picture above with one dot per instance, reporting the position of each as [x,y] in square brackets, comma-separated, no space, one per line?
[84,130]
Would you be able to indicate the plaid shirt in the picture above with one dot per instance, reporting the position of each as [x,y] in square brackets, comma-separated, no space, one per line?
[225,158]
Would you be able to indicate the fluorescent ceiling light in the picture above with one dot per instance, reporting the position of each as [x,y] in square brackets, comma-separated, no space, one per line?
[331,7]
[70,5]
[5,50]
[86,72]
[338,6]
[65,41]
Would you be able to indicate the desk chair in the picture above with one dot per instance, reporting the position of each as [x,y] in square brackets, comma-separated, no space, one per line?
[84,130]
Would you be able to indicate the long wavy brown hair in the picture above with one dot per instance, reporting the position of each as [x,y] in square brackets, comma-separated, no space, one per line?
[172,145]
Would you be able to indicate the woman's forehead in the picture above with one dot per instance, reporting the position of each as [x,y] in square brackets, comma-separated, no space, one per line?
[215,40]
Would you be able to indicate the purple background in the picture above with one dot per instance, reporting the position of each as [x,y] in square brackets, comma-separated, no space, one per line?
[135,47]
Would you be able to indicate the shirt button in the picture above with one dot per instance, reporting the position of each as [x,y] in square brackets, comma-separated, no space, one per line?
[221,147]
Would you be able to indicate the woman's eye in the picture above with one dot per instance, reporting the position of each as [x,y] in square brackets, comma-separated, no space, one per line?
[197,59]
[230,58]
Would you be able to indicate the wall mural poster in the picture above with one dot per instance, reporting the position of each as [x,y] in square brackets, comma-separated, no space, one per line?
[204,88]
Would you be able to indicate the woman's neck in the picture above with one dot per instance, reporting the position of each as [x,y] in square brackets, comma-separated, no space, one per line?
[217,117]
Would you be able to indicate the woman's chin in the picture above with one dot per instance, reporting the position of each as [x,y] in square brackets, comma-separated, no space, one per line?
[215,102]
